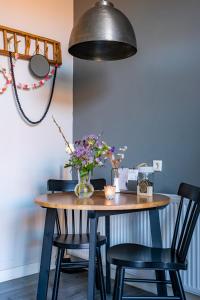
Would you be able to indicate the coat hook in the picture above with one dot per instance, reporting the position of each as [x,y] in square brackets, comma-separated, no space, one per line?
[10,39]
[17,45]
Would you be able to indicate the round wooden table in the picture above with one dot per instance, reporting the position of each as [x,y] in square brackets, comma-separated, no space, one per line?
[97,206]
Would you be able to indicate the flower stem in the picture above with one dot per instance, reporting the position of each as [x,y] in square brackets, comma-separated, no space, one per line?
[61,132]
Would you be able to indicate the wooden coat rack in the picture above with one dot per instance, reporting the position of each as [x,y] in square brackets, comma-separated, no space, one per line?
[9,34]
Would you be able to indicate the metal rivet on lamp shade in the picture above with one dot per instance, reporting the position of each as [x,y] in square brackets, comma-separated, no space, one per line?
[103,33]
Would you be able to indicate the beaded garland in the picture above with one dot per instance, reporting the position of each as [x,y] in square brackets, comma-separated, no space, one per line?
[23,86]
[8,80]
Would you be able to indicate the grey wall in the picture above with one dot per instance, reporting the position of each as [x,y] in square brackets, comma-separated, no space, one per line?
[150,102]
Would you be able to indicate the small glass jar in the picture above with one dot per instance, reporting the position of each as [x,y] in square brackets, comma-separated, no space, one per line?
[145,181]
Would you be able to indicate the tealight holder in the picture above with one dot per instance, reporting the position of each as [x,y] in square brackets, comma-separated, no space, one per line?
[109,191]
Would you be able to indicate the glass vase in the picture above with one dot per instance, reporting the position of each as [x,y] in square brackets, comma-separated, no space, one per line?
[115,179]
[84,189]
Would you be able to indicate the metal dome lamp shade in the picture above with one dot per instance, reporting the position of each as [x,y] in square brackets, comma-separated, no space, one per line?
[103,33]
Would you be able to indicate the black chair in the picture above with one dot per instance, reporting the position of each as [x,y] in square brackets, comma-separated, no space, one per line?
[171,260]
[75,240]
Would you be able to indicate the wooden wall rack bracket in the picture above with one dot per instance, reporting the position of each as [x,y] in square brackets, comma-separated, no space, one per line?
[31,40]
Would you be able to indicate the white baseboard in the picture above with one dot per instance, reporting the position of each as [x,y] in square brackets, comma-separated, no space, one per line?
[25,270]
[19,272]
[22,271]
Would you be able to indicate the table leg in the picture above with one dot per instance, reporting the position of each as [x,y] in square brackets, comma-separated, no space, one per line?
[46,254]
[157,242]
[107,231]
[92,257]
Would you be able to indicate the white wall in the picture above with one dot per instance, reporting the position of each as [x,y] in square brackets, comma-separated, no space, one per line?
[31,155]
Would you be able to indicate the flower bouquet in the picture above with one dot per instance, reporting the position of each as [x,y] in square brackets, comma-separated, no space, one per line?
[85,155]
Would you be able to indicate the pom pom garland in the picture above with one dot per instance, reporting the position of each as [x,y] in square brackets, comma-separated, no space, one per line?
[20,85]
[8,80]
[34,85]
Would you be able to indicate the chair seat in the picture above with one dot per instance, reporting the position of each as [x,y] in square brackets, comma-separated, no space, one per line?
[76,241]
[139,256]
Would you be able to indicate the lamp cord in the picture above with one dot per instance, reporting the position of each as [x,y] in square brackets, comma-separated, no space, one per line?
[24,116]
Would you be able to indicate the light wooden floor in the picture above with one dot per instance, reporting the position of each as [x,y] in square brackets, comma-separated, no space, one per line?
[72,286]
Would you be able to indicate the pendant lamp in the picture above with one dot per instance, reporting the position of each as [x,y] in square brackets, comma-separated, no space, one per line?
[103,33]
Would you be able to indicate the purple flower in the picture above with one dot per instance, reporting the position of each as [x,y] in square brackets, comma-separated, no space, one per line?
[90,137]
[90,152]
[112,149]
[99,144]
[93,137]
[84,162]
[79,151]
[91,159]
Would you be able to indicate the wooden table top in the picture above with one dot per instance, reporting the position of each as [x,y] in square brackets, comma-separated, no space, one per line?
[122,201]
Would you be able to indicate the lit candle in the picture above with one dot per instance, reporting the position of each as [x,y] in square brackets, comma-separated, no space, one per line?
[110,191]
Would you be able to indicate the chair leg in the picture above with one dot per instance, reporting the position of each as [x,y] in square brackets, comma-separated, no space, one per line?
[115,285]
[57,274]
[119,283]
[97,278]
[177,284]
[161,288]
[179,281]
[174,283]
[100,275]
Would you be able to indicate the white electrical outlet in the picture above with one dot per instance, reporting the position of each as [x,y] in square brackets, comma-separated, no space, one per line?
[157,165]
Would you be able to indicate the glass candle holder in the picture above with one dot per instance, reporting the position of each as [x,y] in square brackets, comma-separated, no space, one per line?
[110,191]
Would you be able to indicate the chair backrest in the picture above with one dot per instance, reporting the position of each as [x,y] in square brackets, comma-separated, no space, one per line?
[54,185]
[183,234]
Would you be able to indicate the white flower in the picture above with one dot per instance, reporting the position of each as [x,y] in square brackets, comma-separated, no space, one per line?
[123,148]
[69,149]
[121,155]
